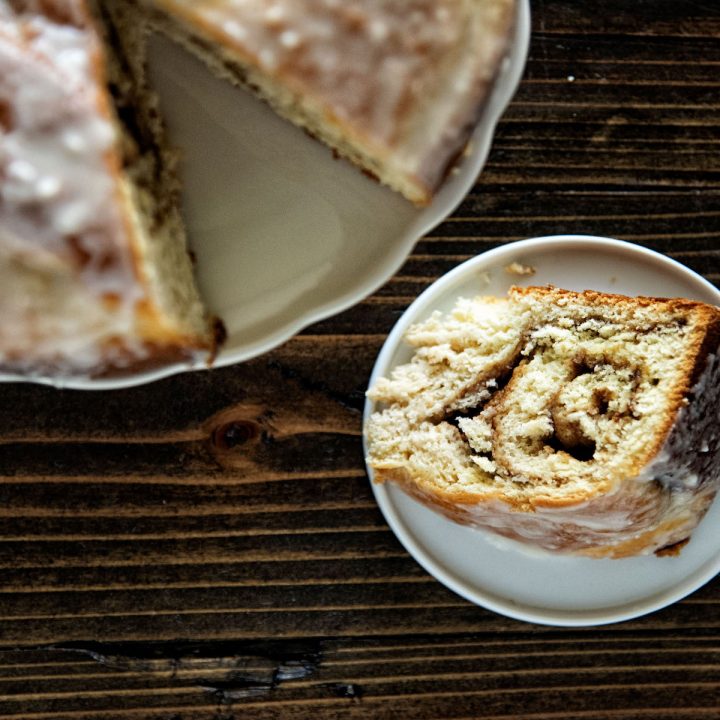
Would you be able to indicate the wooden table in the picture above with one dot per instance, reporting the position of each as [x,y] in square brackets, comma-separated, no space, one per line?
[208,546]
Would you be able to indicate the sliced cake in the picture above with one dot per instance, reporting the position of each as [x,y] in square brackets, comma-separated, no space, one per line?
[576,422]
[396,86]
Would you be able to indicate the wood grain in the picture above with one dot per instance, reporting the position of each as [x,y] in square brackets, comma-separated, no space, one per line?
[209,547]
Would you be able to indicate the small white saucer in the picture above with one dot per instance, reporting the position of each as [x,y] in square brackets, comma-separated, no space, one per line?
[505,576]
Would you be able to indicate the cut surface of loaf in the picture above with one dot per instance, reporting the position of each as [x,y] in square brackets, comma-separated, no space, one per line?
[94,273]
[576,422]
[395,86]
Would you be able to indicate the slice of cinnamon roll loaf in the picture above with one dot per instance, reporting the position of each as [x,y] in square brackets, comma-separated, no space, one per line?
[578,422]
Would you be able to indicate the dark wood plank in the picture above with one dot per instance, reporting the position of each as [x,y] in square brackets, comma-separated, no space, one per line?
[209,547]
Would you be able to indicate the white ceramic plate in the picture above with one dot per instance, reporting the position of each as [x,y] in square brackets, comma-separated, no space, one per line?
[504,576]
[284,234]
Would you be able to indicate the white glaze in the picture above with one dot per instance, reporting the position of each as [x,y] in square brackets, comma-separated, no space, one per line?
[64,245]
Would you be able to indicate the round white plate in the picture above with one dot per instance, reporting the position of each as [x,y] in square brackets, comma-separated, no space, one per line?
[285,235]
[504,576]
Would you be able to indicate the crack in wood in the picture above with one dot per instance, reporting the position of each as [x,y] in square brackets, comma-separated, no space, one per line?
[253,668]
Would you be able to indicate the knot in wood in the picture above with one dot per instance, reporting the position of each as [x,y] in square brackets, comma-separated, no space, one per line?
[233,434]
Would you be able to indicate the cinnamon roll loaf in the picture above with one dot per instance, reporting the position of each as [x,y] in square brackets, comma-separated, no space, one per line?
[94,274]
[396,86]
[576,422]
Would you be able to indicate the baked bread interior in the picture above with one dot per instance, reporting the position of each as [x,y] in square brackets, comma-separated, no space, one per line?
[576,422]
[395,86]
[95,277]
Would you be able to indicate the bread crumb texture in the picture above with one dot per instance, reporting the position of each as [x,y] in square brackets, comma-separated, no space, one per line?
[577,422]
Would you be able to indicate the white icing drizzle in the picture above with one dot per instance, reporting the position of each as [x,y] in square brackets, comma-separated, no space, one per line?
[64,245]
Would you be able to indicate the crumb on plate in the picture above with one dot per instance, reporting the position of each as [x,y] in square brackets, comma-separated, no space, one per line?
[516,268]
